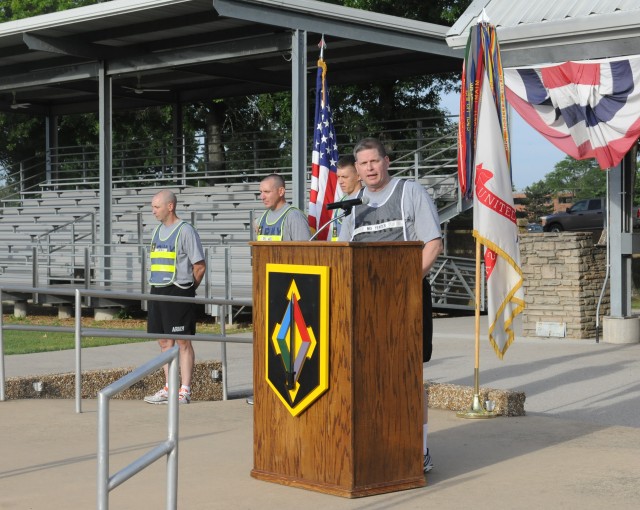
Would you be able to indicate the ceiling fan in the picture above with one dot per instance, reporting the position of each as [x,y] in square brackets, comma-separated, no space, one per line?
[139,89]
[16,106]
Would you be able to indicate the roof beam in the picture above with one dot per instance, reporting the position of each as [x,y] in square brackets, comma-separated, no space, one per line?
[246,74]
[517,55]
[340,21]
[179,57]
[85,14]
[211,53]
[40,77]
[150,26]
[70,47]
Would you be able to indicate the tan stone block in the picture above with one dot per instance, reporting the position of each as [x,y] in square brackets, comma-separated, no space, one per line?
[548,272]
[460,398]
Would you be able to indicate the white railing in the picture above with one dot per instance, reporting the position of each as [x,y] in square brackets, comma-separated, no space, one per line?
[168,448]
[81,332]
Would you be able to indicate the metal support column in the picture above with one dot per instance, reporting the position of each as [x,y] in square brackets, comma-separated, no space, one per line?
[47,149]
[298,117]
[104,107]
[620,200]
[179,146]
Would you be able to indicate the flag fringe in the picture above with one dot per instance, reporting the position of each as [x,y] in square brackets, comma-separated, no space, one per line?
[520,304]
[494,247]
[322,64]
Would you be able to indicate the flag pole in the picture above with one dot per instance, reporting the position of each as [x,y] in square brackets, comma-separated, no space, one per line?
[477,410]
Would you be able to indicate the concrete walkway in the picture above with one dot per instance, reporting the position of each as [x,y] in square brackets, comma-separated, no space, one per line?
[578,446]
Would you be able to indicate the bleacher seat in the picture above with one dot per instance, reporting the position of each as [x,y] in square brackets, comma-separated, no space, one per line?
[222,215]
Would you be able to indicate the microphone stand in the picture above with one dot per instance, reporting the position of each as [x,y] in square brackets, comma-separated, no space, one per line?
[346,212]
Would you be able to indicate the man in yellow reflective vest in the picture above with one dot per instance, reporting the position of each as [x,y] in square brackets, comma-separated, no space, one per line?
[177,268]
[281,221]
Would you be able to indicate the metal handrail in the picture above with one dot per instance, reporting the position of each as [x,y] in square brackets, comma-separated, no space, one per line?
[64,225]
[453,283]
[248,151]
[79,331]
[420,149]
[169,447]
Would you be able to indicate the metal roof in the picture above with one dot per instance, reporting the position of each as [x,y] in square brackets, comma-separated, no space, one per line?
[544,31]
[168,51]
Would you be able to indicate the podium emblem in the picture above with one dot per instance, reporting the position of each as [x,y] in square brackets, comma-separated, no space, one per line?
[297,344]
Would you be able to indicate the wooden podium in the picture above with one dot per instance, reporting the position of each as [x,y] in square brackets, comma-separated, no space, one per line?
[363,436]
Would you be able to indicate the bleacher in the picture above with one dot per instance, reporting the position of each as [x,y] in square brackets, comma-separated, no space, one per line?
[62,225]
[50,231]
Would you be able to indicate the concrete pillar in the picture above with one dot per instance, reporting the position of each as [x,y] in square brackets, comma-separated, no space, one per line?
[621,330]
[563,277]
[65,312]
[20,309]
[105,314]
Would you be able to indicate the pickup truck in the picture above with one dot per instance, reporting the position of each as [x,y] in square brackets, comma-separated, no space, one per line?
[585,215]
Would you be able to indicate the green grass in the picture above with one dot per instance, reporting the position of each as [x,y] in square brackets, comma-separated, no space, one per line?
[27,342]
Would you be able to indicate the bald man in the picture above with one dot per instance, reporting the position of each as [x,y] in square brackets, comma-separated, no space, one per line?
[177,268]
[281,221]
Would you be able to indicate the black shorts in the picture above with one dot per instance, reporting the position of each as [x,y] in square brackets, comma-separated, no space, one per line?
[427,321]
[171,317]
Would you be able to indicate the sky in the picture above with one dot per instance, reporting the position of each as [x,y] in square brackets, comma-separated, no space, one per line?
[532,156]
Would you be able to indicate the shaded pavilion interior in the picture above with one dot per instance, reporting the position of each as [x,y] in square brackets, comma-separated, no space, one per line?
[127,54]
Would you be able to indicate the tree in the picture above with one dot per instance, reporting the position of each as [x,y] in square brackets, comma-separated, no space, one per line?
[23,136]
[579,178]
[18,9]
[361,108]
[443,12]
[537,201]
[582,178]
[358,110]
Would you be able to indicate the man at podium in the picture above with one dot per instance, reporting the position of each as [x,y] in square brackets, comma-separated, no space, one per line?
[397,210]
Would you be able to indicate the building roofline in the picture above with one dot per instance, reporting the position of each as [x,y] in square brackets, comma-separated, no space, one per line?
[333,20]
[81,14]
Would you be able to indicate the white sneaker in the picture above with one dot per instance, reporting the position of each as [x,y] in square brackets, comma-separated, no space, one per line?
[427,463]
[184,396]
[160,397]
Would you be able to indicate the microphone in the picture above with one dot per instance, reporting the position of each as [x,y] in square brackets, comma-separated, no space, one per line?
[348,204]
[336,218]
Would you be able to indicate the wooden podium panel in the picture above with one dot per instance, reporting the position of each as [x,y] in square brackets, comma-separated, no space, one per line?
[363,436]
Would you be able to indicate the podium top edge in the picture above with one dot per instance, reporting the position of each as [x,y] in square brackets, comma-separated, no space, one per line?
[338,244]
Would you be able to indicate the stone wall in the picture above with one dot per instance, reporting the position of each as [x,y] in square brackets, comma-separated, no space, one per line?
[563,277]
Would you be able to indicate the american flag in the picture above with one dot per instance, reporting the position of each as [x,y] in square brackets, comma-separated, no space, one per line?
[324,179]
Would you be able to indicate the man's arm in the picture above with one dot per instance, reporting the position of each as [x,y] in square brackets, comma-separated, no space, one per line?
[430,253]
[198,272]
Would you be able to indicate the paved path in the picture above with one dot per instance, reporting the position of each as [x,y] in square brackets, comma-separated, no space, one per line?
[578,446]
